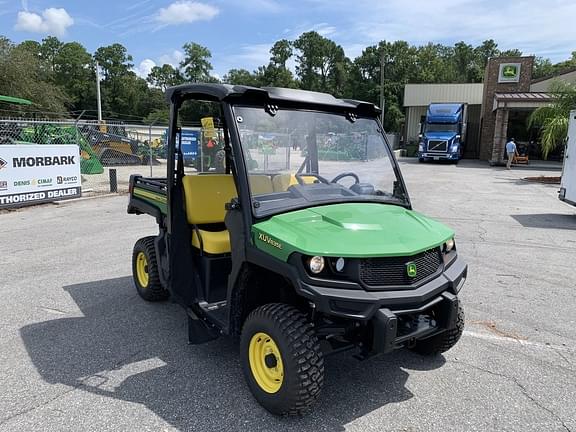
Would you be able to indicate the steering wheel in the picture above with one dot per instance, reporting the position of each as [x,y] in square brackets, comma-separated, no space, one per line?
[346,174]
[301,181]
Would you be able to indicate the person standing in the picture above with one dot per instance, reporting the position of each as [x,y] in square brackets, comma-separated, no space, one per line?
[510,151]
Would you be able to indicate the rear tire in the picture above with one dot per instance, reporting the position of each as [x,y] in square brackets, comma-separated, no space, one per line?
[145,271]
[444,341]
[281,359]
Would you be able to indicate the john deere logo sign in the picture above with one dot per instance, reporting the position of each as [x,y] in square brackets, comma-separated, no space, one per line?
[411,269]
[509,72]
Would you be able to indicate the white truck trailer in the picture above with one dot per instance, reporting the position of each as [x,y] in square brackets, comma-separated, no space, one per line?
[568,185]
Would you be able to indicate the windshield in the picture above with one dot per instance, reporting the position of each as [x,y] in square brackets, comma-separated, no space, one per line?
[441,127]
[298,159]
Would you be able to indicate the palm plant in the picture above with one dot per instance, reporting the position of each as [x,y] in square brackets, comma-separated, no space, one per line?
[553,119]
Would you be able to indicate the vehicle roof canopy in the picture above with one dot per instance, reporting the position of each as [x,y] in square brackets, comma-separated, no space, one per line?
[444,112]
[264,95]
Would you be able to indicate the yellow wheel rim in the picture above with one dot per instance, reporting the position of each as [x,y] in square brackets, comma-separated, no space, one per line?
[142,269]
[266,362]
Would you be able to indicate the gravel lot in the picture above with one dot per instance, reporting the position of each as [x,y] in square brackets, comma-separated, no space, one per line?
[80,351]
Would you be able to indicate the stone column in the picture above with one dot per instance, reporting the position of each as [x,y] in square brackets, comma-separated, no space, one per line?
[500,136]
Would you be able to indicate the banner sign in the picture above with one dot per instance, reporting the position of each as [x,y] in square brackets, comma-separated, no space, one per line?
[32,174]
[190,142]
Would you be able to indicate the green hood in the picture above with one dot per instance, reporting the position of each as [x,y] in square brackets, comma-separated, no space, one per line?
[350,230]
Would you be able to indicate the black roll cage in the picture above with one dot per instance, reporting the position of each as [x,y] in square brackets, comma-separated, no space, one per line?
[269,98]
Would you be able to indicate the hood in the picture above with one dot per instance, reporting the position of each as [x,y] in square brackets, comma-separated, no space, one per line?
[350,230]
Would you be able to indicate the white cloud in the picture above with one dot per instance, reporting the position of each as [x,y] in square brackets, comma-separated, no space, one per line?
[174,58]
[144,68]
[181,12]
[252,56]
[53,21]
[323,29]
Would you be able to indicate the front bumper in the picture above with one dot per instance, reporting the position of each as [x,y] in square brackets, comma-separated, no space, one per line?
[396,318]
[438,156]
[362,305]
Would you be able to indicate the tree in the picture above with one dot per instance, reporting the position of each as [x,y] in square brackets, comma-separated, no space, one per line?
[116,65]
[241,77]
[553,119]
[281,51]
[22,75]
[75,75]
[488,49]
[467,68]
[543,67]
[49,50]
[511,53]
[320,64]
[196,64]
[114,61]
[164,76]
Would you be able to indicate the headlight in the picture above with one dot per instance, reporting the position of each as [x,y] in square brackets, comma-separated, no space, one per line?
[449,252]
[316,264]
[420,147]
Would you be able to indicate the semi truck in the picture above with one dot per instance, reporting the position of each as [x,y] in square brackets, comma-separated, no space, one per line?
[568,184]
[443,132]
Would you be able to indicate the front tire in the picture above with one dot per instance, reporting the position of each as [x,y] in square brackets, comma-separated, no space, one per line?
[444,341]
[281,359]
[145,271]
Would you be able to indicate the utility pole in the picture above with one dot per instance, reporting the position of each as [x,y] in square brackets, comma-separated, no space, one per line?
[99,102]
[382,101]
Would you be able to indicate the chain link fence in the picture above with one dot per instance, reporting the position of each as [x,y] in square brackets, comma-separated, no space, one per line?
[109,153]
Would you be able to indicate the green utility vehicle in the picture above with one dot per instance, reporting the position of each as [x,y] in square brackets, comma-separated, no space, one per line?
[303,244]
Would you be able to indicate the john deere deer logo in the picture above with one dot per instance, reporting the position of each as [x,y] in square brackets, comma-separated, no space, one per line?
[411,269]
[510,71]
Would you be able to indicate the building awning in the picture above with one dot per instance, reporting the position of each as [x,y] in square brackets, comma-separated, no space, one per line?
[530,100]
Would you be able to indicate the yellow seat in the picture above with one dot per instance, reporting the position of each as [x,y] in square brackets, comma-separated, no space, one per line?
[260,184]
[281,182]
[206,196]
[213,242]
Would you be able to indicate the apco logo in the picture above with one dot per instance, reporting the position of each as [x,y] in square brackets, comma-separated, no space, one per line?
[3,185]
[3,163]
[411,269]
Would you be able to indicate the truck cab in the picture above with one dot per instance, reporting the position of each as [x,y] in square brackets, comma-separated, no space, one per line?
[443,132]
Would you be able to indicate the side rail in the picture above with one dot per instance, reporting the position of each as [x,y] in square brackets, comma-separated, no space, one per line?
[148,196]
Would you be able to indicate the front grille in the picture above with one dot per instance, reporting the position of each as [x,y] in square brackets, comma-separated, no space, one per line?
[393,271]
[438,146]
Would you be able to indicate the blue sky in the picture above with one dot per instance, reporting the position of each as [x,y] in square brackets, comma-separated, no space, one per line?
[239,33]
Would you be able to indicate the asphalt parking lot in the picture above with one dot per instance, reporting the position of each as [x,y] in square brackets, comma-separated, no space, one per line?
[80,351]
